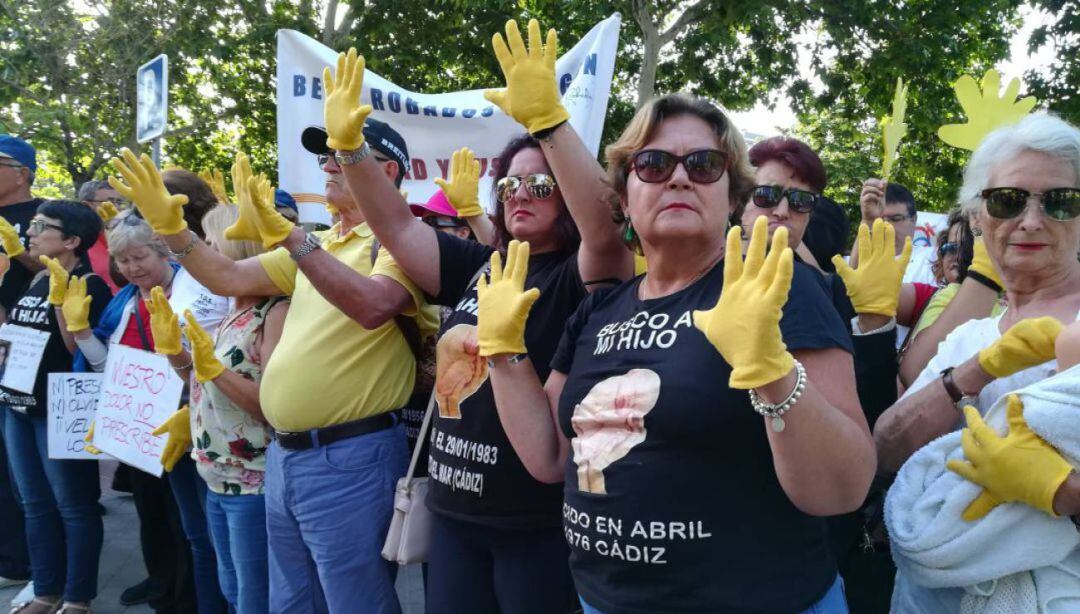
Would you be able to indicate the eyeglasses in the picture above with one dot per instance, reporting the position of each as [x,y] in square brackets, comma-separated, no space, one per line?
[323,158]
[702,166]
[121,203]
[948,248]
[1058,204]
[539,185]
[39,225]
[896,218]
[769,196]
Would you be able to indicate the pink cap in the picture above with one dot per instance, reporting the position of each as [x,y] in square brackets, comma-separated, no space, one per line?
[436,204]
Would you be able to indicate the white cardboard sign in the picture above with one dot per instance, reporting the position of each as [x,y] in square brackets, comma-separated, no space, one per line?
[73,399]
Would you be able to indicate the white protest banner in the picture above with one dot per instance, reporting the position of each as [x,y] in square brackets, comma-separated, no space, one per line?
[140,391]
[73,399]
[21,349]
[927,225]
[433,125]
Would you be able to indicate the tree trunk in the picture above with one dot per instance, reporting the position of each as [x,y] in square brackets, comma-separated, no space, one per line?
[653,41]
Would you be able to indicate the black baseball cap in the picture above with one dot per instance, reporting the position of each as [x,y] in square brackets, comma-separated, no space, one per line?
[379,135]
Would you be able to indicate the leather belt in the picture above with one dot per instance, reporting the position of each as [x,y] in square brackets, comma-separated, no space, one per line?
[305,440]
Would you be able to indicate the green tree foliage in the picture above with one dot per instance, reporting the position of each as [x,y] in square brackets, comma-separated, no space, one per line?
[1057,83]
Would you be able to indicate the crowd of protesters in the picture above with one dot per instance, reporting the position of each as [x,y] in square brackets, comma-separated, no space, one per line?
[667,385]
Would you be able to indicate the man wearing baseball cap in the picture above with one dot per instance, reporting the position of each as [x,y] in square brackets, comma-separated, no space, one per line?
[18,165]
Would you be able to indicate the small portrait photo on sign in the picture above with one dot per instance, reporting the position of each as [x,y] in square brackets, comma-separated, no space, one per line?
[5,350]
[152,85]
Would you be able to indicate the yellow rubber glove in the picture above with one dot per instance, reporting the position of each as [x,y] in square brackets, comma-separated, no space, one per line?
[874,287]
[76,307]
[1028,343]
[244,229]
[89,439]
[504,304]
[164,325]
[58,279]
[9,237]
[216,180]
[206,363]
[107,211]
[463,189]
[982,264]
[744,326]
[273,227]
[1018,467]
[144,187]
[342,112]
[531,95]
[178,428]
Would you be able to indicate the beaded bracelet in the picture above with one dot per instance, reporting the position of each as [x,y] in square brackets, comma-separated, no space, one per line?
[775,412]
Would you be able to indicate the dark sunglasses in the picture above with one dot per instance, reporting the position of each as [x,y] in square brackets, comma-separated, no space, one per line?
[948,248]
[323,158]
[769,196]
[39,226]
[1058,204]
[702,166]
[539,185]
[437,222]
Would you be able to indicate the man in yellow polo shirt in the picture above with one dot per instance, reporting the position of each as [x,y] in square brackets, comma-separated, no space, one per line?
[343,364]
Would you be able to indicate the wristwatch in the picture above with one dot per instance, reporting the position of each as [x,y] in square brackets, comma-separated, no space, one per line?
[959,398]
[310,244]
[345,158]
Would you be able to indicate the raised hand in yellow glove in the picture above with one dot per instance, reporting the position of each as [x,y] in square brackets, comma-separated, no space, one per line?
[1018,467]
[164,324]
[273,227]
[58,280]
[76,307]
[342,112]
[874,287]
[504,303]
[89,439]
[178,428]
[463,189]
[206,363]
[1028,343]
[144,187]
[244,229]
[744,326]
[982,264]
[216,180]
[107,211]
[531,95]
[9,237]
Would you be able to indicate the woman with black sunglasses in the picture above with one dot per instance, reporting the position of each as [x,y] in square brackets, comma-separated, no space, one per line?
[497,543]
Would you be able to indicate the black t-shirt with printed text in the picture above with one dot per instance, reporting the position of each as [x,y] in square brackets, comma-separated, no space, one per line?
[33,310]
[18,276]
[672,503]
[475,474]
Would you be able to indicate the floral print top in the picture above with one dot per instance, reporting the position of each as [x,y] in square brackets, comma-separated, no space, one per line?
[229,444]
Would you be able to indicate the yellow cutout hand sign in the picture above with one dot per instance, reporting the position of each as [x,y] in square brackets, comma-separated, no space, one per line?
[894,129]
[986,111]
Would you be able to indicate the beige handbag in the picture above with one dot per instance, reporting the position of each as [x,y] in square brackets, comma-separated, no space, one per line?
[410,528]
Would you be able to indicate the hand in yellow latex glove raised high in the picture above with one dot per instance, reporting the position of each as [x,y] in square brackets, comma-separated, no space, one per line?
[342,112]
[144,187]
[982,264]
[1028,343]
[107,211]
[463,189]
[259,220]
[1018,467]
[164,324]
[531,95]
[178,428]
[244,229]
[874,287]
[207,365]
[9,237]
[58,280]
[216,180]
[504,303]
[76,307]
[744,326]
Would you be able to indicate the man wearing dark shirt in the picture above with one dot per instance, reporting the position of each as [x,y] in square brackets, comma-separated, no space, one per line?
[18,165]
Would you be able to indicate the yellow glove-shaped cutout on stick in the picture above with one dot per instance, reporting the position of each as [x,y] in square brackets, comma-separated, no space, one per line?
[58,280]
[144,187]
[178,428]
[1018,467]
[982,264]
[1028,343]
[744,326]
[504,303]
[206,363]
[342,112]
[874,287]
[463,189]
[9,237]
[76,307]
[164,324]
[531,95]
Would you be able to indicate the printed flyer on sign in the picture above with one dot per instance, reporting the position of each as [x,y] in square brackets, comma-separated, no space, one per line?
[21,349]
[73,399]
[139,392]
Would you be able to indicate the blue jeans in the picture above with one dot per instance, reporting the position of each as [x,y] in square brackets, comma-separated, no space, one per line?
[60,503]
[189,490]
[14,558]
[832,603]
[327,513]
[238,525]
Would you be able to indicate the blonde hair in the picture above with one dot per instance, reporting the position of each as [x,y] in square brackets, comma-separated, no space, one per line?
[129,231]
[214,224]
[643,127]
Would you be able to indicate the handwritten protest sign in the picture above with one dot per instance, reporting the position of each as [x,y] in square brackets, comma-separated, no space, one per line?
[139,392]
[73,399]
[22,349]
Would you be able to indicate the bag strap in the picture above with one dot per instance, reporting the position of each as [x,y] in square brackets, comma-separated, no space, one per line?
[422,437]
[139,325]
